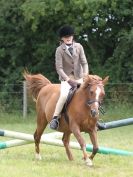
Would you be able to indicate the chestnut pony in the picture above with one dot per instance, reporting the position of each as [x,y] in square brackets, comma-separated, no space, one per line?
[83,111]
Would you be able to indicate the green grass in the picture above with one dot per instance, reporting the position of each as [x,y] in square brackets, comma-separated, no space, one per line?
[117,111]
[20,162]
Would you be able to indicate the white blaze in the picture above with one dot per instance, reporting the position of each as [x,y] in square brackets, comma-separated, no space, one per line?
[98,90]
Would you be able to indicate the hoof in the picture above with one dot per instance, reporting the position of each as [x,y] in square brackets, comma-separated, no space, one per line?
[88,162]
[38,157]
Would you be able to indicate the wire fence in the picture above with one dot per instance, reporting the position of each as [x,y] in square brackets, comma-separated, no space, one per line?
[19,101]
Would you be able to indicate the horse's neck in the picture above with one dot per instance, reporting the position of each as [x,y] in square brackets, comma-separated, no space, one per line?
[82,94]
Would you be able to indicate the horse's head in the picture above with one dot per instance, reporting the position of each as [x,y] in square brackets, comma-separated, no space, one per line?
[94,86]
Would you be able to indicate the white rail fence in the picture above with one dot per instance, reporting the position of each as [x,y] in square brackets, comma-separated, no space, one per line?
[20,101]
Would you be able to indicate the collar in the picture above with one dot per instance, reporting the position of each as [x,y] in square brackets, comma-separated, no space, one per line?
[64,46]
[67,47]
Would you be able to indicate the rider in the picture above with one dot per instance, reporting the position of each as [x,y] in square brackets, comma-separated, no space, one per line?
[71,66]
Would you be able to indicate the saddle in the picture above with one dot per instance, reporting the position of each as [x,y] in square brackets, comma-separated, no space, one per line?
[69,98]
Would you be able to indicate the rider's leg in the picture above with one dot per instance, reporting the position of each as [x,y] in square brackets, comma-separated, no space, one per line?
[59,106]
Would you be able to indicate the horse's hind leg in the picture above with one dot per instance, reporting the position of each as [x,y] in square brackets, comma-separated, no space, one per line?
[66,140]
[41,125]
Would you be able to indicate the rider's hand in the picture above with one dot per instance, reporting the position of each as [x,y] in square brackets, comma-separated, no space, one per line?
[72,83]
[85,76]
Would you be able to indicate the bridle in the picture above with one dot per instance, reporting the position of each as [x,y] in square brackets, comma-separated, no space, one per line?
[100,108]
[89,102]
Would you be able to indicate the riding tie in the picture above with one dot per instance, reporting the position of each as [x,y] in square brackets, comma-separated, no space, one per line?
[70,50]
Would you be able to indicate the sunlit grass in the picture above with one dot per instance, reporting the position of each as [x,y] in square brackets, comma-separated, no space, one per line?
[20,162]
[117,111]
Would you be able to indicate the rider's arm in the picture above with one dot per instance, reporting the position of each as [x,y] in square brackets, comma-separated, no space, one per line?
[59,65]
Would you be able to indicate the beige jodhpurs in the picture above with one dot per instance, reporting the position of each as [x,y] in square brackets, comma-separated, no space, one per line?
[65,87]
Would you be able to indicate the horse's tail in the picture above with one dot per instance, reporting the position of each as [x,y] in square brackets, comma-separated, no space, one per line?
[35,83]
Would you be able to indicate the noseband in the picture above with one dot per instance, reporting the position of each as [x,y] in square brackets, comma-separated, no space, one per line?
[100,108]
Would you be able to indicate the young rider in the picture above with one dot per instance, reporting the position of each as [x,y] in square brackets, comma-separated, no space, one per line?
[71,66]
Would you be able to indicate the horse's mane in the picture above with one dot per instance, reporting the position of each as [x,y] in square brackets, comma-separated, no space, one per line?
[91,79]
[94,78]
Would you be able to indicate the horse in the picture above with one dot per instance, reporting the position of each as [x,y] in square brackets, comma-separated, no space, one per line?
[83,111]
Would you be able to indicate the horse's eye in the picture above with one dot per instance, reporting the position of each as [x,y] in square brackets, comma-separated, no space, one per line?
[91,92]
[102,94]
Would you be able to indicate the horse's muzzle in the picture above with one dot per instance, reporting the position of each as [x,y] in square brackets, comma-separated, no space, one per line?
[94,113]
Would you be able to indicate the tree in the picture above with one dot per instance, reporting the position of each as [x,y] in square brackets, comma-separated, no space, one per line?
[29,36]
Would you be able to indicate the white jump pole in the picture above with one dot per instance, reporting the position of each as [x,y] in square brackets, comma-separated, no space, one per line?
[47,139]
[12,143]
[20,142]
[50,139]
[28,137]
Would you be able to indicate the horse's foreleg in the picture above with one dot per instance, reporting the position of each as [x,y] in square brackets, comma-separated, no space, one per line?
[41,125]
[66,140]
[82,143]
[93,137]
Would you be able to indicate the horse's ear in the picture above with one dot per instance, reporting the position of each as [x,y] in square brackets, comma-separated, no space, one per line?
[86,80]
[105,80]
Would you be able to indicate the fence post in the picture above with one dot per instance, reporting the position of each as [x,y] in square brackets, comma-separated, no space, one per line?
[24,100]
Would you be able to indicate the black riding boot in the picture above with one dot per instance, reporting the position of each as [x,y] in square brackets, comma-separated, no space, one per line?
[54,124]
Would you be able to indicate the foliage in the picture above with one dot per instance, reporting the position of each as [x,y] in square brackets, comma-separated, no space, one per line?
[123,70]
[29,36]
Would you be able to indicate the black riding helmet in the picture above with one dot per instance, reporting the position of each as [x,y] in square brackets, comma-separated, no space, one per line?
[66,31]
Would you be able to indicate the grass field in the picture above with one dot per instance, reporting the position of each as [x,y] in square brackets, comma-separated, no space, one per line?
[20,162]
